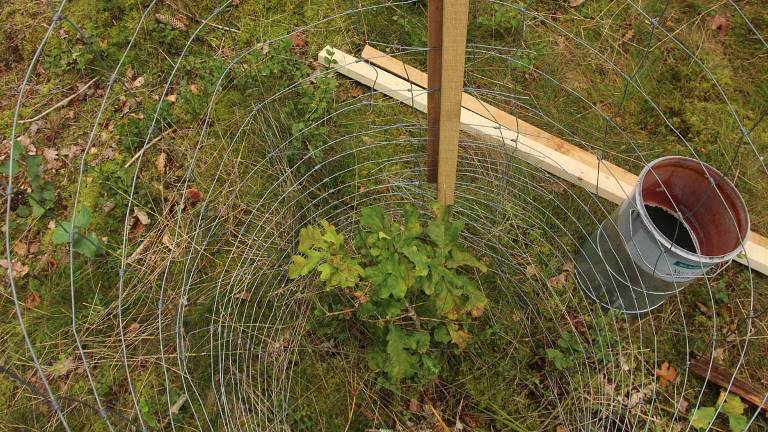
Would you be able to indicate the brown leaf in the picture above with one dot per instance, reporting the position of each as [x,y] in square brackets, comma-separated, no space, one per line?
[62,367]
[194,196]
[414,406]
[721,23]
[574,3]
[194,89]
[138,82]
[628,36]
[245,295]
[20,248]
[32,300]
[141,215]
[133,328]
[666,374]
[298,43]
[530,270]
[356,91]
[557,281]
[171,98]
[160,162]
[19,269]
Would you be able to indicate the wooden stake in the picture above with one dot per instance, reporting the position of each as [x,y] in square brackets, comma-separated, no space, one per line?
[451,88]
[434,43]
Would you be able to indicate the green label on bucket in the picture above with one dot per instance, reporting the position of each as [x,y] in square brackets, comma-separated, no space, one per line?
[686,265]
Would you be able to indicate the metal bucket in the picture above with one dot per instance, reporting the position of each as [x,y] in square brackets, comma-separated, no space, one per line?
[682,219]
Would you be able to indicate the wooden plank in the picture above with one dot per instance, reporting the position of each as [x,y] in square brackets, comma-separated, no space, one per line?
[434,43]
[609,182]
[490,112]
[721,376]
[452,53]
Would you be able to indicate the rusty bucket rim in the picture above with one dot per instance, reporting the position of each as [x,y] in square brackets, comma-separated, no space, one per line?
[659,236]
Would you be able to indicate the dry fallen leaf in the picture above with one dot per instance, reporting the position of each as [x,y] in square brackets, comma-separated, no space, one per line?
[141,215]
[298,43]
[194,89]
[574,3]
[628,36]
[138,82]
[32,300]
[245,295]
[666,374]
[356,91]
[20,248]
[171,98]
[62,367]
[557,281]
[721,23]
[133,328]
[160,163]
[19,269]
[194,196]
[414,405]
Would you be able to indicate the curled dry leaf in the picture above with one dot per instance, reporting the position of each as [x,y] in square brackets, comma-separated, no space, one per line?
[141,215]
[194,196]
[721,23]
[160,162]
[557,281]
[666,374]
[133,328]
[62,367]
[32,300]
[18,268]
[244,295]
[138,82]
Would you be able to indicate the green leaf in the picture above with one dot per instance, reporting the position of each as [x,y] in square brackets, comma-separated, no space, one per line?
[737,423]
[372,218]
[461,258]
[419,260]
[442,231]
[331,236]
[33,166]
[401,364]
[560,360]
[61,233]
[733,405]
[412,224]
[441,334]
[702,417]
[89,246]
[83,217]
[309,237]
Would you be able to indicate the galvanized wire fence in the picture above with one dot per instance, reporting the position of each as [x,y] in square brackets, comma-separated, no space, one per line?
[202,298]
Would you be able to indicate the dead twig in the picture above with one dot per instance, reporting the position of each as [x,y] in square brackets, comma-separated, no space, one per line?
[150,144]
[64,102]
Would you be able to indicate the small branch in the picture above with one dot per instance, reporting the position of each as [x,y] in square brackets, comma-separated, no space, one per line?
[724,378]
[412,313]
[64,102]
[150,144]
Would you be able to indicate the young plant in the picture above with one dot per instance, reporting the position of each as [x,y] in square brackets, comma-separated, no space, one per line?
[410,284]
[733,407]
[88,245]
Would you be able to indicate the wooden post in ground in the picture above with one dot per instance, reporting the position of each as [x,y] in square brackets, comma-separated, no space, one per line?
[452,53]
[434,43]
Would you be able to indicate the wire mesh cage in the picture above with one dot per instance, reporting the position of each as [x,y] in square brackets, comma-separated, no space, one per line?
[211,135]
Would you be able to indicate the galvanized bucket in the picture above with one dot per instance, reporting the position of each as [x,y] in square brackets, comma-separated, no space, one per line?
[682,219]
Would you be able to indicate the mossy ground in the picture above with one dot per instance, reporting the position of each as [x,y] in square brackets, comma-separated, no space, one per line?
[567,77]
